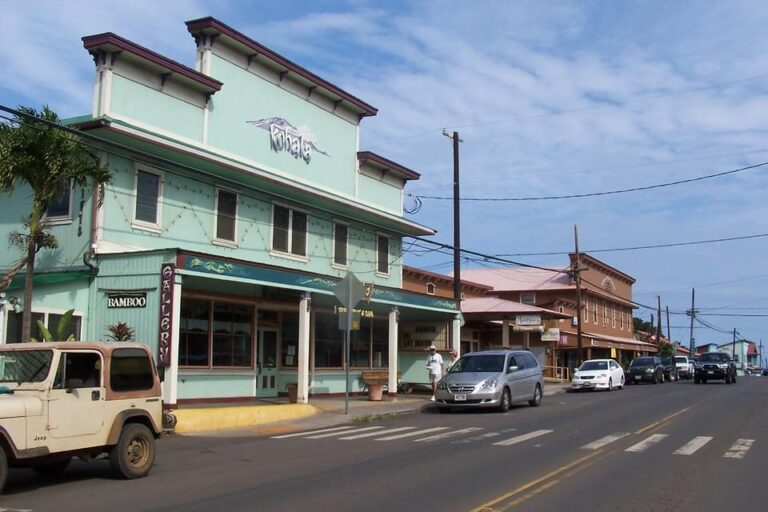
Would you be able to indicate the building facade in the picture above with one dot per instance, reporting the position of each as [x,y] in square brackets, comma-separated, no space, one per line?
[606,307]
[239,201]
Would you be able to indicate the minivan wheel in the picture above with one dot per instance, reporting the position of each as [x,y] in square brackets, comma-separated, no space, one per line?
[505,401]
[536,400]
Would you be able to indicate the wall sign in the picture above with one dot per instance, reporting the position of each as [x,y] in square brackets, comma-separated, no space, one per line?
[283,136]
[528,320]
[127,300]
[167,275]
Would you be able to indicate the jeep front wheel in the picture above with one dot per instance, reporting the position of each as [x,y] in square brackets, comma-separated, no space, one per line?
[134,454]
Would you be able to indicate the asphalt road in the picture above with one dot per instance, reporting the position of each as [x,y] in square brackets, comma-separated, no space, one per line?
[667,447]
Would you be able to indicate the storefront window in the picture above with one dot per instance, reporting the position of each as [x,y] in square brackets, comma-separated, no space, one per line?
[328,341]
[225,343]
[193,333]
[290,347]
[50,320]
[232,335]
[380,343]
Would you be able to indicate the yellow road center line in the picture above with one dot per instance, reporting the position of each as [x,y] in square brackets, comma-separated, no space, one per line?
[664,420]
[489,506]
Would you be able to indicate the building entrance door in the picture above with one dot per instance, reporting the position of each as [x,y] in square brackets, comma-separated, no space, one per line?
[266,385]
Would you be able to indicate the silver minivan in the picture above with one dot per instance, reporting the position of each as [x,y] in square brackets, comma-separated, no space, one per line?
[491,378]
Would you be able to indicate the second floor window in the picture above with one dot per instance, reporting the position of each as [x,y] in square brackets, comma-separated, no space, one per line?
[61,205]
[340,234]
[528,298]
[289,231]
[382,254]
[148,195]
[226,215]
[605,313]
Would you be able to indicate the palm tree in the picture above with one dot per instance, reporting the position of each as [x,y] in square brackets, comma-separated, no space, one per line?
[35,150]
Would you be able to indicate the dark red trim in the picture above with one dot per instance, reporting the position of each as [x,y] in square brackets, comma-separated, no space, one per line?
[113,41]
[380,161]
[210,25]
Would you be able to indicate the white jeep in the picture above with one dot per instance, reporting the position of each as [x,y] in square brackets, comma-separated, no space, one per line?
[65,399]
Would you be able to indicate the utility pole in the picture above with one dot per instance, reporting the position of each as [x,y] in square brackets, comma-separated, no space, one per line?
[669,331]
[733,346]
[577,271]
[658,322]
[456,220]
[692,346]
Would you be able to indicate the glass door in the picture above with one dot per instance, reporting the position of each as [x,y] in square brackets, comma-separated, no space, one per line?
[266,363]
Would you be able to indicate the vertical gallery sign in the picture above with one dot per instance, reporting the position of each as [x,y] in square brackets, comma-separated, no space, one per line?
[167,275]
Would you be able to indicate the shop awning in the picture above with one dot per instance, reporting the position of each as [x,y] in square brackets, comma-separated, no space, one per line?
[604,341]
[50,278]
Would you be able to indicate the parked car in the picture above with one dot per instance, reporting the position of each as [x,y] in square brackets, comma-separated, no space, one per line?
[684,367]
[492,378]
[645,369]
[64,399]
[765,372]
[715,366]
[598,374]
[670,368]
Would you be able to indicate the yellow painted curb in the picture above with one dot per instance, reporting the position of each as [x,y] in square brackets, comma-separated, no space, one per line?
[206,419]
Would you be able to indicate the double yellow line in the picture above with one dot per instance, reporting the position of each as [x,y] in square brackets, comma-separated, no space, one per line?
[529,490]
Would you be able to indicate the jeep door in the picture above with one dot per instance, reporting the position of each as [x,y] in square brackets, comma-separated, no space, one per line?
[76,400]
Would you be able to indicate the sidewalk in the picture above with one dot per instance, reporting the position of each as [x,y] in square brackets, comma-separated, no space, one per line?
[274,416]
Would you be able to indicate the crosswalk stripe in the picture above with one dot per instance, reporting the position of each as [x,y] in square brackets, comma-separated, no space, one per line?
[603,441]
[693,445]
[377,433]
[298,434]
[739,449]
[447,434]
[646,443]
[411,434]
[331,434]
[524,437]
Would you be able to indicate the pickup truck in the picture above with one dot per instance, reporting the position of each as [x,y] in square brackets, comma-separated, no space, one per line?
[684,367]
[75,399]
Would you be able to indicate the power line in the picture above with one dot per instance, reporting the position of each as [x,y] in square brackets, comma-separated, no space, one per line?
[640,247]
[596,194]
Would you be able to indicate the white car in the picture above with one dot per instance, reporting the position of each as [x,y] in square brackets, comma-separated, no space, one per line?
[598,374]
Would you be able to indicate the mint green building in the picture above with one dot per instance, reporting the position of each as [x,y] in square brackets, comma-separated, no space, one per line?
[239,200]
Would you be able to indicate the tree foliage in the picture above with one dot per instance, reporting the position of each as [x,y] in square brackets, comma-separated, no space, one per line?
[36,152]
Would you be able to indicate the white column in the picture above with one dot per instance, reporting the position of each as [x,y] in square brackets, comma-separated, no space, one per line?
[305,305]
[456,335]
[171,382]
[3,306]
[505,333]
[527,340]
[394,313]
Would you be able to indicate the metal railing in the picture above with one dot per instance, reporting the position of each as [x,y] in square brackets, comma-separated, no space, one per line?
[559,374]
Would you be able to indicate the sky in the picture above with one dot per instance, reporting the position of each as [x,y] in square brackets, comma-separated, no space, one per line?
[549,99]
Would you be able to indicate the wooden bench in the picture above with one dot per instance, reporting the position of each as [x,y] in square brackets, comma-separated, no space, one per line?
[370,377]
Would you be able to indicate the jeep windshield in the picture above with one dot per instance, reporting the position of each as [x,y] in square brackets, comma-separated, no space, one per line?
[479,363]
[642,361]
[25,365]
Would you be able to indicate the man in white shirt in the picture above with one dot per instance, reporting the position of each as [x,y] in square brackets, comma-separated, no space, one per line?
[435,368]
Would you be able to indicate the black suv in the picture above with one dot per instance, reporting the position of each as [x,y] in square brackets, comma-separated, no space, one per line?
[715,365]
[646,368]
[670,368]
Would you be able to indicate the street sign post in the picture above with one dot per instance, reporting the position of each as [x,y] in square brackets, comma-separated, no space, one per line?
[349,291]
